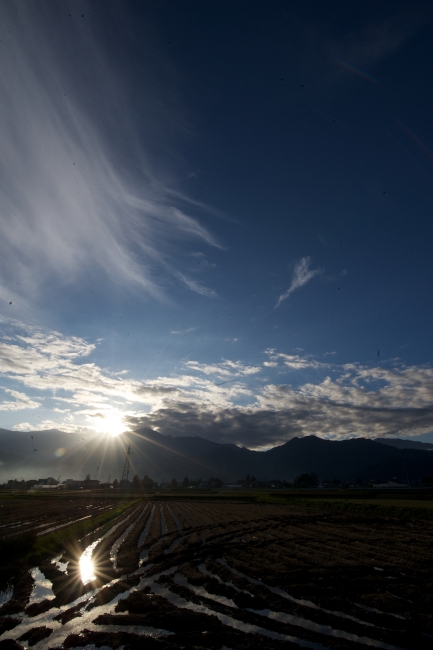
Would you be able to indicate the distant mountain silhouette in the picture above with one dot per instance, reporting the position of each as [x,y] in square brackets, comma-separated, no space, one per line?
[405,444]
[55,453]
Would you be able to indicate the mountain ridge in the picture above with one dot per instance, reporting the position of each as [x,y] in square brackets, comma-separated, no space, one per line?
[55,453]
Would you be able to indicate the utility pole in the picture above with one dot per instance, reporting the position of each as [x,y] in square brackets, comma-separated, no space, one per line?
[408,482]
[125,474]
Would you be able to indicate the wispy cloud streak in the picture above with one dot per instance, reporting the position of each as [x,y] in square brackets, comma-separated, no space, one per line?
[301,275]
[196,286]
[83,190]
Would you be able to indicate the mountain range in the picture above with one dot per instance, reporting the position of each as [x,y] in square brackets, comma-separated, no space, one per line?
[55,453]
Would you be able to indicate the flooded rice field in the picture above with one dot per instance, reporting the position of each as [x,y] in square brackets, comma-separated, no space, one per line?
[229,575]
[44,515]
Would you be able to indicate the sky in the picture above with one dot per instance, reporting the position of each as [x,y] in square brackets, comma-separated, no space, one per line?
[216,218]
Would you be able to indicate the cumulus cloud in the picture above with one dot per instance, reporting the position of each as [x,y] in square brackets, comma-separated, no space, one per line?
[226,368]
[292,361]
[359,401]
[283,413]
[59,371]
[21,401]
[228,401]
[301,275]
[87,186]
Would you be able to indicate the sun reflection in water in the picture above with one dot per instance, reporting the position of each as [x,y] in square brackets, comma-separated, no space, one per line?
[87,568]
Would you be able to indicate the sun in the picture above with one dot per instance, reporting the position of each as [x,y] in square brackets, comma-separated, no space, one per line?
[112,425]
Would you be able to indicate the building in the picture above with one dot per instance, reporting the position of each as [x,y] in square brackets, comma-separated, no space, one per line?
[88,484]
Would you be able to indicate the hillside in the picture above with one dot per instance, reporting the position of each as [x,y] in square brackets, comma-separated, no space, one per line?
[55,453]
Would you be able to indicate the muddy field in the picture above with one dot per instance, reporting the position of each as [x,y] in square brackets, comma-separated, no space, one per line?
[208,575]
[44,514]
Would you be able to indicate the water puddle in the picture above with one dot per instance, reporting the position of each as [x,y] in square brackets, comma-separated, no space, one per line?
[85,621]
[298,601]
[21,523]
[146,529]
[6,595]
[145,554]
[182,603]
[91,646]
[115,548]
[296,620]
[87,569]
[42,589]
[378,611]
[66,523]
[206,572]
[61,566]
[289,619]
[201,591]
[400,598]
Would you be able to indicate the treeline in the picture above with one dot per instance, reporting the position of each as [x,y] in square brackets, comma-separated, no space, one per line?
[146,483]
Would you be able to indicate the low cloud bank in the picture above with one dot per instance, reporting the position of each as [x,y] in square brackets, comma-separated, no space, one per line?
[261,428]
[229,401]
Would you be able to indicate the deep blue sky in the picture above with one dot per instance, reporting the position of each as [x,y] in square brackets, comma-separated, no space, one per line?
[194,193]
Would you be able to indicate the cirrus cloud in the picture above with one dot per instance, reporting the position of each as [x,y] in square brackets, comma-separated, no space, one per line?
[84,192]
[301,275]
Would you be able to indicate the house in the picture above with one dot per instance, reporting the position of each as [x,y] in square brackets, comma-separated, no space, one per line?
[88,484]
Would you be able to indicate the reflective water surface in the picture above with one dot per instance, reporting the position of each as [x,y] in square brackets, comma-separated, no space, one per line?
[42,589]
[6,595]
[87,569]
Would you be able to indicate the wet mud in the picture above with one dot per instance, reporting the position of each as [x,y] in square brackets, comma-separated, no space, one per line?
[231,575]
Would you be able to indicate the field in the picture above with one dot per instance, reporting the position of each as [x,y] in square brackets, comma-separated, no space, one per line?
[40,514]
[208,574]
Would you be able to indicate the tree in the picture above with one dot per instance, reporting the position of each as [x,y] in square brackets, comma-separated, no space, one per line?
[307,480]
[147,482]
[173,483]
[185,482]
[136,483]
[115,483]
[87,479]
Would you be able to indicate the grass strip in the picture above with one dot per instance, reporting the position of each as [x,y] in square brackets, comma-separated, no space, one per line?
[29,549]
[397,511]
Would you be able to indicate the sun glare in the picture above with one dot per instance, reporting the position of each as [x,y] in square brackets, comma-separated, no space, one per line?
[87,568]
[112,425]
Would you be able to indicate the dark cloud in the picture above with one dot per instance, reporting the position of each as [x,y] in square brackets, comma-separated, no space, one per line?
[256,428]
